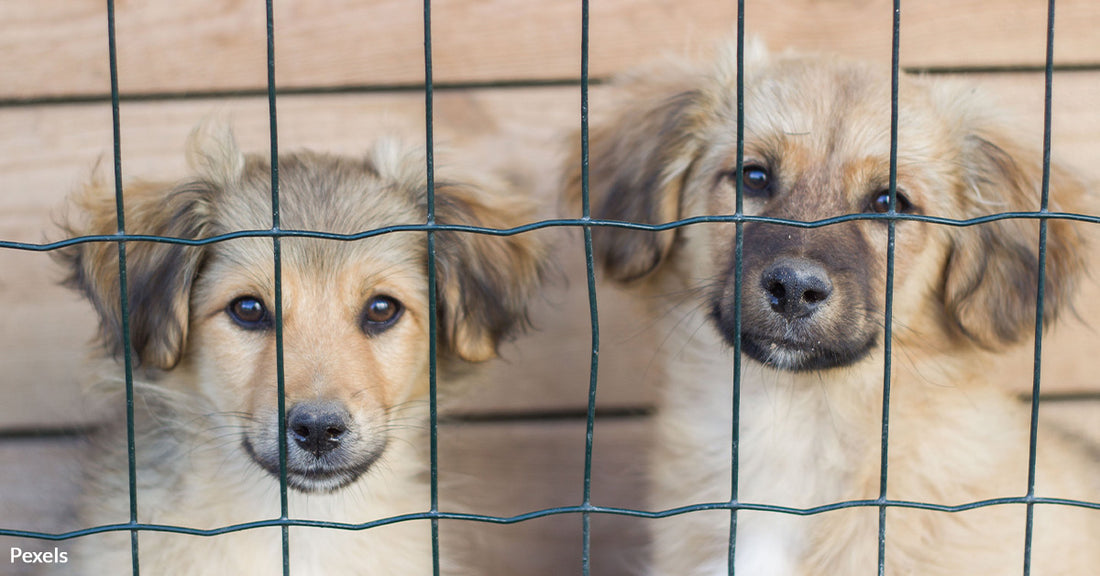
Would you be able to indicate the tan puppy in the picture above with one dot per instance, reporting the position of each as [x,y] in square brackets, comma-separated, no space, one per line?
[817,142]
[356,340]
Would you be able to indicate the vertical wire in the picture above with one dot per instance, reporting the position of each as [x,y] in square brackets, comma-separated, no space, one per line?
[1033,440]
[889,322]
[433,406]
[124,300]
[586,520]
[738,261]
[280,375]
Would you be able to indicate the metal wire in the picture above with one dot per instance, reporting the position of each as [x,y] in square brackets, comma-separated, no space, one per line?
[1044,203]
[280,374]
[555,511]
[548,223]
[124,300]
[738,267]
[433,330]
[888,325]
[593,312]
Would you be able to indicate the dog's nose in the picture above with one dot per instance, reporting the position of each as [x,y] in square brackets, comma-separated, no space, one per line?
[317,427]
[796,288]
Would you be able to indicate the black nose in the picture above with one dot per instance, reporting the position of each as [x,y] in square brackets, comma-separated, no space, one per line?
[317,427]
[796,288]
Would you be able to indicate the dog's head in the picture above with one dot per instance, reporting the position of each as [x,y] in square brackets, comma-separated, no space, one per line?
[355,314]
[816,146]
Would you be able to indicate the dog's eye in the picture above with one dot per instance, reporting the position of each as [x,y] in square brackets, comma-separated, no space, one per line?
[881,203]
[756,180]
[249,313]
[755,177]
[380,313]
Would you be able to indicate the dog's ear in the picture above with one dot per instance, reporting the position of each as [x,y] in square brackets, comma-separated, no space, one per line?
[637,162]
[213,154]
[158,275]
[991,282]
[485,282]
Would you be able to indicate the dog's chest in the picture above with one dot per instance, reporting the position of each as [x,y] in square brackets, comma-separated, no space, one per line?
[795,450]
[789,457]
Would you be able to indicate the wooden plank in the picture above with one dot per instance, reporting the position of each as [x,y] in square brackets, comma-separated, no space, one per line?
[509,469]
[50,149]
[493,469]
[59,47]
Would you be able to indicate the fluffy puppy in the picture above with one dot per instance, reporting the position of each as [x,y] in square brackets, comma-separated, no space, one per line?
[817,145]
[355,317]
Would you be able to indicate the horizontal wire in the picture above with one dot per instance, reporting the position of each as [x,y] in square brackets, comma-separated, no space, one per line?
[550,223]
[556,511]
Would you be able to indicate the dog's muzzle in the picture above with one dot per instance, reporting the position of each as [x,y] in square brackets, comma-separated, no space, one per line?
[805,299]
[325,450]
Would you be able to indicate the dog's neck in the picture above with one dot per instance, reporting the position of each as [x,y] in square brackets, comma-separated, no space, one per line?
[804,440]
[787,421]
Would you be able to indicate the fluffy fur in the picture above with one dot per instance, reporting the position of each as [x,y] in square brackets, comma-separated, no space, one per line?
[356,349]
[817,144]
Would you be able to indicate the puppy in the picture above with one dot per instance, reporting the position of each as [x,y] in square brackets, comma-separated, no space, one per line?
[355,317]
[812,319]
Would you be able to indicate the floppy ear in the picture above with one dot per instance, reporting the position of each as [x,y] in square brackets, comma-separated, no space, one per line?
[991,283]
[485,282]
[637,164]
[158,275]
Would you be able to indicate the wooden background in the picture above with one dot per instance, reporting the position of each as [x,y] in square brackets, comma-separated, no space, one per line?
[507,98]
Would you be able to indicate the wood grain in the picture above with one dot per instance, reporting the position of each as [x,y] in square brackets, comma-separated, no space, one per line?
[58,48]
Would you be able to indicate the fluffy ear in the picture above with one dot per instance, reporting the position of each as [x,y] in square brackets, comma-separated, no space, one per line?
[212,152]
[637,163]
[991,283]
[485,282]
[158,275]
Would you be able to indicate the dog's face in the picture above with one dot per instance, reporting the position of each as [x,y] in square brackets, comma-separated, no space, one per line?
[355,341]
[354,315]
[817,145]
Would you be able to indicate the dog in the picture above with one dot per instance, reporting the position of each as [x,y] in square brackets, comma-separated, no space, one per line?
[355,353]
[811,327]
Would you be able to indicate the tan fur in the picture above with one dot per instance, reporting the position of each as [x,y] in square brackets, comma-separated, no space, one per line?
[206,400]
[812,376]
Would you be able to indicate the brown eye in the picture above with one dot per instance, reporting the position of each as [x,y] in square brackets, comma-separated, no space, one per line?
[881,203]
[249,313]
[379,314]
[755,180]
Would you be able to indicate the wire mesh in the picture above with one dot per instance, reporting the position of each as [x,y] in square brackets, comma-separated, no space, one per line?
[124,304]
[888,320]
[594,316]
[1033,438]
[585,223]
[738,267]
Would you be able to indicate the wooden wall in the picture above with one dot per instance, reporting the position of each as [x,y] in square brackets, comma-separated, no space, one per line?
[506,98]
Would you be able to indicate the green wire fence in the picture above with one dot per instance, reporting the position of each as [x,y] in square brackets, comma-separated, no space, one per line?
[587,507]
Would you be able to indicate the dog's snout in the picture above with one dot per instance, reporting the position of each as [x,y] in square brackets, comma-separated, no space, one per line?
[317,427]
[796,289]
